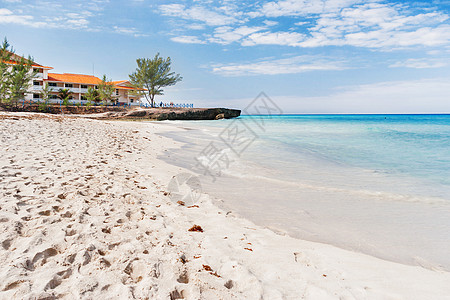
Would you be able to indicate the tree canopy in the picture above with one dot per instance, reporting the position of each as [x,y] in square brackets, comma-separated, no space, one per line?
[153,75]
[105,90]
[64,95]
[16,72]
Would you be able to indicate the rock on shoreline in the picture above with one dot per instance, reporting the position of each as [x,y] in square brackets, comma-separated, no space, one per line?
[174,114]
[136,113]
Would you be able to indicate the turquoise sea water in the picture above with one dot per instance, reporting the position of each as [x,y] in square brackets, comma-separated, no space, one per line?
[415,145]
[378,184]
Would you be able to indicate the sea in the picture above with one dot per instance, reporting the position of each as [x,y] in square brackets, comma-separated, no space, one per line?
[376,184]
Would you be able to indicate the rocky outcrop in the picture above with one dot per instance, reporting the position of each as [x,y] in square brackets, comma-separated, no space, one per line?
[134,113]
[174,114]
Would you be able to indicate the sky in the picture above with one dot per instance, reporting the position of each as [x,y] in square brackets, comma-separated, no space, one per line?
[308,56]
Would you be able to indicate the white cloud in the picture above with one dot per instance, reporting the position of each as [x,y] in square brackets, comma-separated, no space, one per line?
[5,12]
[198,14]
[370,24]
[274,38]
[8,17]
[426,36]
[420,63]
[75,15]
[377,25]
[187,39]
[128,31]
[292,65]
[270,23]
[303,7]
[196,26]
[415,96]
[226,34]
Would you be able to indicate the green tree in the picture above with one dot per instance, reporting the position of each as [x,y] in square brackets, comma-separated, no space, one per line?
[153,75]
[45,96]
[20,79]
[106,90]
[64,95]
[92,96]
[5,57]
[16,73]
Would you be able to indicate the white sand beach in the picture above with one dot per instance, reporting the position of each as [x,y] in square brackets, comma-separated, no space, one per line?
[85,213]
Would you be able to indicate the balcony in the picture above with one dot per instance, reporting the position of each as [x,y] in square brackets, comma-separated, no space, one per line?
[57,88]
[37,88]
[39,75]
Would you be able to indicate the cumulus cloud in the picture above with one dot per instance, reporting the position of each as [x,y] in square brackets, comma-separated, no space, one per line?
[8,17]
[187,39]
[292,65]
[128,31]
[226,34]
[197,13]
[317,23]
[377,25]
[78,15]
[303,7]
[274,38]
[420,63]
[415,96]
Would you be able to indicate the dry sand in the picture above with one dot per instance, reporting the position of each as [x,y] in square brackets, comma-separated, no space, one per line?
[85,214]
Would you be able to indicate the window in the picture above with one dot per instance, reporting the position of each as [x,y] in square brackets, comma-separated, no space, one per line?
[36,83]
[83,97]
[83,86]
[96,87]
[36,96]
[69,85]
[70,97]
[131,100]
[117,92]
[53,97]
[52,84]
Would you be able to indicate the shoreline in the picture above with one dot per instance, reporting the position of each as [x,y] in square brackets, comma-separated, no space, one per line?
[322,201]
[102,253]
[130,113]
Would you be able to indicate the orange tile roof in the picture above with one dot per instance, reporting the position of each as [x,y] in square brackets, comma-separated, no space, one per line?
[84,79]
[74,78]
[119,82]
[119,87]
[12,62]
[125,87]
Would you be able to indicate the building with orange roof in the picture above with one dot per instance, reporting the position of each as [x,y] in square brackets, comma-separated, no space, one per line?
[78,84]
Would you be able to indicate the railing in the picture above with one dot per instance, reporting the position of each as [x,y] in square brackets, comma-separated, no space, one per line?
[171,104]
[74,102]
[57,88]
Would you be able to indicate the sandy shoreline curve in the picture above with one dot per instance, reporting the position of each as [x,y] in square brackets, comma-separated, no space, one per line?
[85,213]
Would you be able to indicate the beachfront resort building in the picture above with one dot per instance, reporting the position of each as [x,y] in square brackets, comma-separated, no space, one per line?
[78,84]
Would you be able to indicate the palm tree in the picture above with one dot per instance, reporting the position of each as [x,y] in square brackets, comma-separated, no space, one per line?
[92,96]
[64,95]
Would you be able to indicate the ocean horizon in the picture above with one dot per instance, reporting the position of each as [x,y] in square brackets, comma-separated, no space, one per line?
[372,183]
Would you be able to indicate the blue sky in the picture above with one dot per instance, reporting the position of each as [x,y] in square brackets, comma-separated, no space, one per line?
[309,56]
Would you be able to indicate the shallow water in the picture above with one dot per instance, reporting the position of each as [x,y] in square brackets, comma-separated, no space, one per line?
[378,184]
